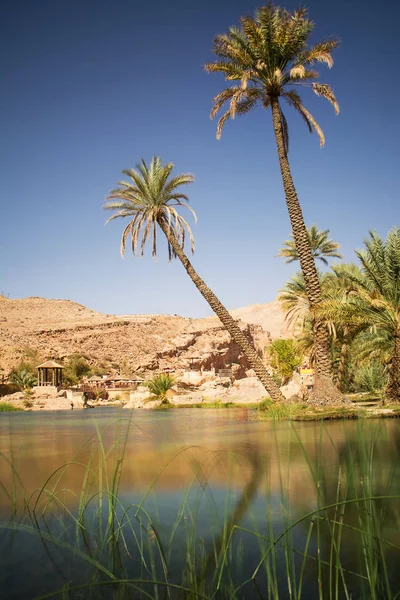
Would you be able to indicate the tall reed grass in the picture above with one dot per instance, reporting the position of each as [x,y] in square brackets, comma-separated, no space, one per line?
[247,543]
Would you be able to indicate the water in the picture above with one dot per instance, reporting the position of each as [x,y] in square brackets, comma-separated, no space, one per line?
[197,498]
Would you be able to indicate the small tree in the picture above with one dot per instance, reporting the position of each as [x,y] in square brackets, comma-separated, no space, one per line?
[76,368]
[159,386]
[285,357]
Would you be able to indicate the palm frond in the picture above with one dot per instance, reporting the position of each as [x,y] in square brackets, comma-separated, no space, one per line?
[325,91]
[294,100]
[321,52]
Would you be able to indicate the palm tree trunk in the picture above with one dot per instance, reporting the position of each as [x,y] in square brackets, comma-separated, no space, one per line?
[393,388]
[226,319]
[324,387]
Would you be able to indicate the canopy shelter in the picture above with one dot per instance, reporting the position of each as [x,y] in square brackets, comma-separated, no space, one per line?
[95,379]
[118,381]
[50,373]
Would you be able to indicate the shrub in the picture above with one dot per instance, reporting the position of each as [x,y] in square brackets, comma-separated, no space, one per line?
[76,368]
[159,385]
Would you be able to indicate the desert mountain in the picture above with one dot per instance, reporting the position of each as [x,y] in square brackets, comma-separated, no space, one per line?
[58,328]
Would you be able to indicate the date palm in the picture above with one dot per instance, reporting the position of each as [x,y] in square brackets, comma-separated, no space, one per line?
[294,300]
[338,289]
[321,246]
[150,199]
[374,300]
[268,59]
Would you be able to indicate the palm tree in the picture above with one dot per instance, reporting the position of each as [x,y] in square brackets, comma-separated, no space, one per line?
[374,300]
[150,199]
[267,58]
[23,378]
[338,288]
[294,300]
[321,246]
[159,385]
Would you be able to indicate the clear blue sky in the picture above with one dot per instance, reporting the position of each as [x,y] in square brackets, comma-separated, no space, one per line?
[91,86]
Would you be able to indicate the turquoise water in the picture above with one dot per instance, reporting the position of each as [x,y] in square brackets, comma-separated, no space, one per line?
[199,498]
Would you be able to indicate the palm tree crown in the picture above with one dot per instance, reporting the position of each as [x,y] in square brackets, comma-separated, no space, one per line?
[269,56]
[321,246]
[151,197]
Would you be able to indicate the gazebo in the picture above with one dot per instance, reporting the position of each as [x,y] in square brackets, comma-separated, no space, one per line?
[50,373]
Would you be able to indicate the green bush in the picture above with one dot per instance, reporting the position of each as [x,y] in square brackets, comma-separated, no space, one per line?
[159,386]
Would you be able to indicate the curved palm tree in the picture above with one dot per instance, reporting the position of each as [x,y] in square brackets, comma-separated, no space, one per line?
[321,246]
[268,59]
[150,199]
[374,300]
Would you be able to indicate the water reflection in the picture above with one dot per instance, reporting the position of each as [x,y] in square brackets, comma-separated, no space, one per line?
[197,498]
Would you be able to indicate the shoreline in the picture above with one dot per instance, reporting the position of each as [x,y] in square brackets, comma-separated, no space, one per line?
[256,411]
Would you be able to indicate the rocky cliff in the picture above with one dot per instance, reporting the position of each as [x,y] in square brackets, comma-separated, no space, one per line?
[58,328]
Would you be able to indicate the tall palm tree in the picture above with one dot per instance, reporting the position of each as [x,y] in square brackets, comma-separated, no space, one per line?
[150,199]
[321,246]
[374,300]
[267,58]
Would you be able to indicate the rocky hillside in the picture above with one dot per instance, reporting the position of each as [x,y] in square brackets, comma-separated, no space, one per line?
[58,328]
